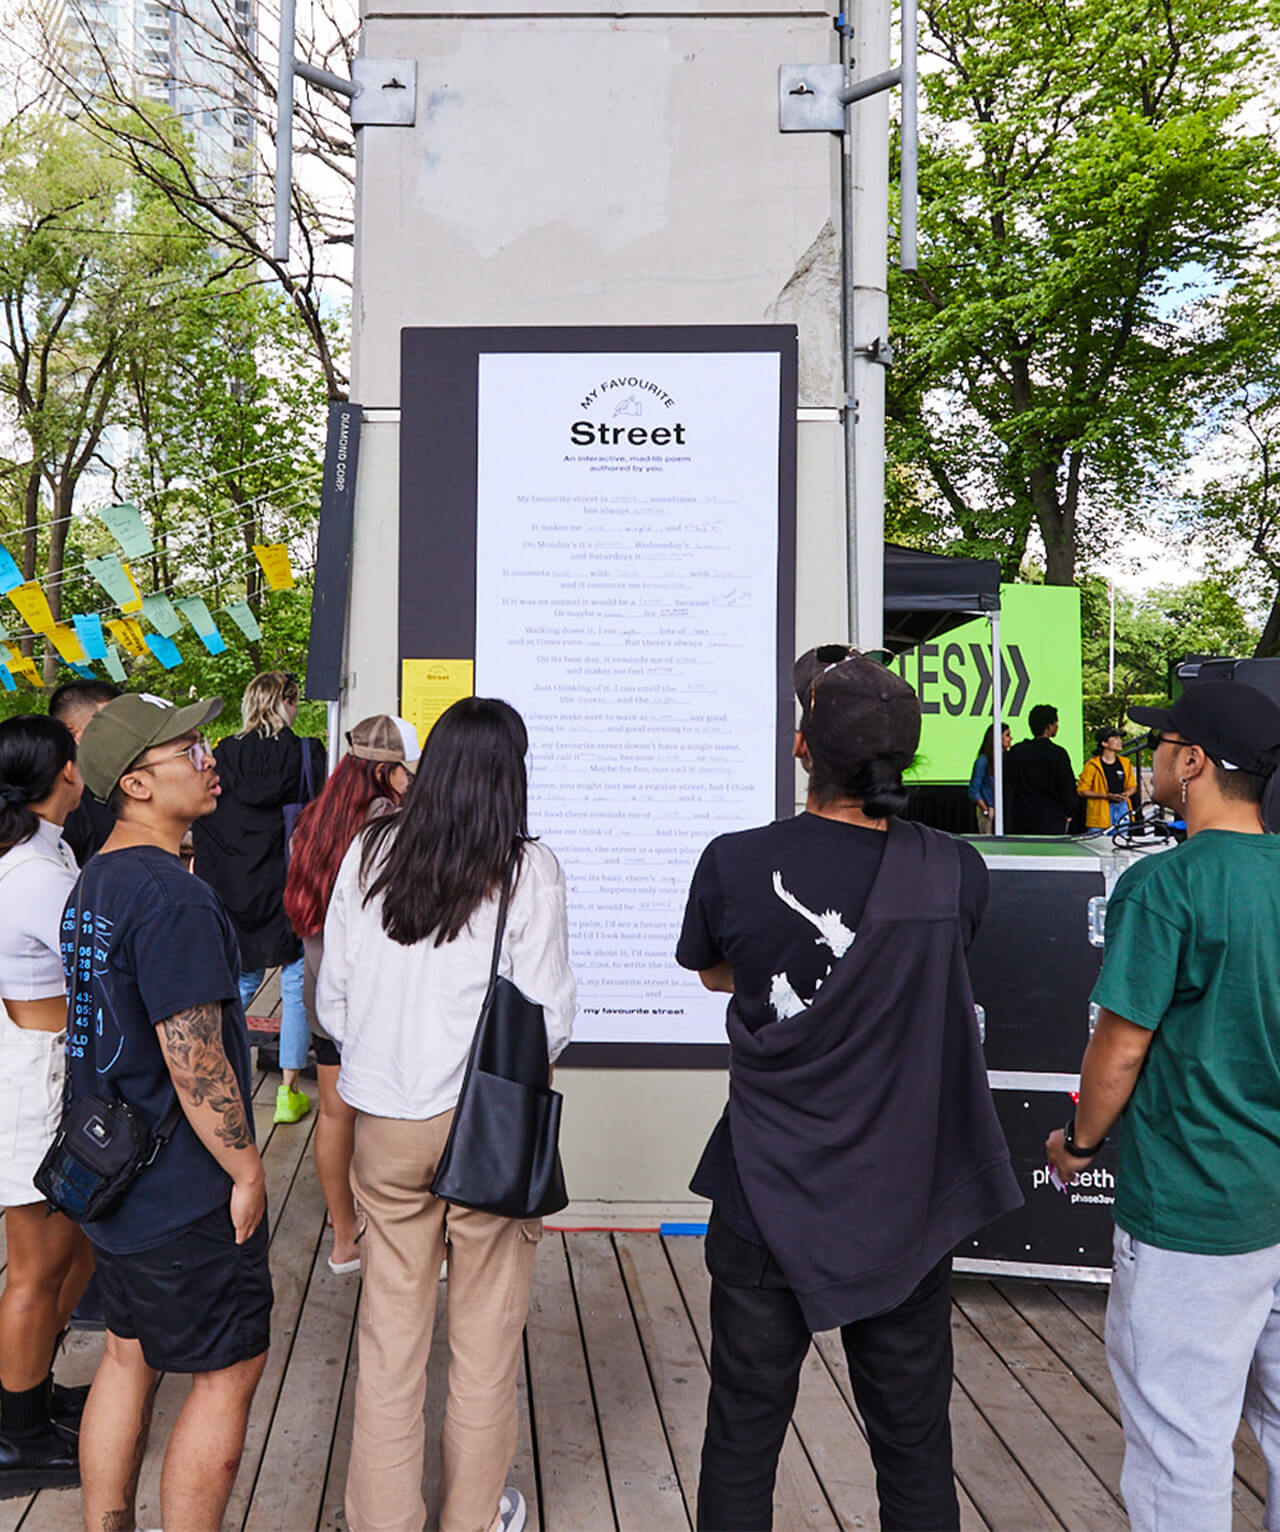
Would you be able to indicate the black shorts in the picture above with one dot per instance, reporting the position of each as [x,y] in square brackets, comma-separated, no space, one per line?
[197,1303]
[326,1050]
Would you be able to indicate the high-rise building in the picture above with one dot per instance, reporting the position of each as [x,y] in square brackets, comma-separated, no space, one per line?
[192,55]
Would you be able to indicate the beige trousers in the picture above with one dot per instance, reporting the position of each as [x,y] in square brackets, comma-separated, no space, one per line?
[490,1273]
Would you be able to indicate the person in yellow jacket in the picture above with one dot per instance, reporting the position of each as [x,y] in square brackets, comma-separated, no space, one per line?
[1107,782]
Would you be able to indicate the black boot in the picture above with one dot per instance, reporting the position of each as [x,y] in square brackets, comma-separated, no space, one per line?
[35,1452]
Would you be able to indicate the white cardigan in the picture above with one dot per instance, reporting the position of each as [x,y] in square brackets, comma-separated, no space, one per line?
[404,1017]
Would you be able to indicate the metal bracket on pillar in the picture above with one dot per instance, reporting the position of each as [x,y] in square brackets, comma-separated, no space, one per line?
[878,351]
[386,93]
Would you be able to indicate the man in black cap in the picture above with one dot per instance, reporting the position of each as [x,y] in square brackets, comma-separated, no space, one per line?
[155,1017]
[1187,1046]
[860,1143]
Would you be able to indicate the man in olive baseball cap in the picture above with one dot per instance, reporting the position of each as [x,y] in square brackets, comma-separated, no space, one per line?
[156,1015]
[121,733]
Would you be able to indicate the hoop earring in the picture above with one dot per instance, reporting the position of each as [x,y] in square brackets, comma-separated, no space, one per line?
[1183,780]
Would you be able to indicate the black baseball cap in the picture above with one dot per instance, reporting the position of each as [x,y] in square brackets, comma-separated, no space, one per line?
[1236,725]
[853,708]
[128,727]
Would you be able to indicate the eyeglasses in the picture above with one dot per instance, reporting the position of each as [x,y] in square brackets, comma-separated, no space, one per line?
[199,754]
[1155,739]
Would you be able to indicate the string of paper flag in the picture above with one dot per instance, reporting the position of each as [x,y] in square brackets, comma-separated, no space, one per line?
[84,639]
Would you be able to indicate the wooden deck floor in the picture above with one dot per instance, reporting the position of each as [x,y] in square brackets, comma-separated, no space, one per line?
[614,1389]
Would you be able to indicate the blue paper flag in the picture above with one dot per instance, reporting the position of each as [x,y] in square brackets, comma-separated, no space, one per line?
[10,574]
[85,672]
[213,642]
[6,680]
[89,632]
[164,649]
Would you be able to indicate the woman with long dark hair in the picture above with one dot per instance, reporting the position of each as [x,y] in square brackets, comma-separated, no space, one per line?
[370,780]
[240,852]
[982,781]
[408,943]
[49,1258]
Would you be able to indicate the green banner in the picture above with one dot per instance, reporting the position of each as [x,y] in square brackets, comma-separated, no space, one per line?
[1040,647]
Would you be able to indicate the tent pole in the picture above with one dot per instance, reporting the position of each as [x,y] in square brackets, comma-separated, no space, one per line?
[997,729]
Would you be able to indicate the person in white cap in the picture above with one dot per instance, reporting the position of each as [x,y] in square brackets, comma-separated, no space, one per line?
[370,780]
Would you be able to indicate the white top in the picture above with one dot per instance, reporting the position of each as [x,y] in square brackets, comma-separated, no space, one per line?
[36,879]
[404,1017]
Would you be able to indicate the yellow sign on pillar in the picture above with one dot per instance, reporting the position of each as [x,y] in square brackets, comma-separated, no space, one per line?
[274,558]
[428,687]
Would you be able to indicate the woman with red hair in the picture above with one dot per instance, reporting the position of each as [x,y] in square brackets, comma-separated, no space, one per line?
[371,780]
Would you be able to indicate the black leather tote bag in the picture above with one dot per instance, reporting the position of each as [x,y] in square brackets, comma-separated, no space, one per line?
[503,1153]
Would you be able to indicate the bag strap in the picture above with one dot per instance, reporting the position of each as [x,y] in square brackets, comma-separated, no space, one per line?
[498,934]
[307,782]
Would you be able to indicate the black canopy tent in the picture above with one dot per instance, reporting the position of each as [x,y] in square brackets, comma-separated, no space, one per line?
[928,594]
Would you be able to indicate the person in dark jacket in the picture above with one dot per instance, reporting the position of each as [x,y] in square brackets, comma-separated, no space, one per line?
[860,1143]
[90,823]
[240,853]
[1041,784]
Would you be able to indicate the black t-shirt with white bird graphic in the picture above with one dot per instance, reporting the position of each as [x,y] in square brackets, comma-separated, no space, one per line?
[781,904]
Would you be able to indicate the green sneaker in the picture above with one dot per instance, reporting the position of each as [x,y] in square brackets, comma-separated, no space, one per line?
[291,1105]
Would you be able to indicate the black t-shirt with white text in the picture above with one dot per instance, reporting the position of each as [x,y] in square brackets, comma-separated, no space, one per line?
[147,940]
[781,905]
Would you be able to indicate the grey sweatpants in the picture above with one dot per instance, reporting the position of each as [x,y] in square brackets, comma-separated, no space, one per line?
[1191,1339]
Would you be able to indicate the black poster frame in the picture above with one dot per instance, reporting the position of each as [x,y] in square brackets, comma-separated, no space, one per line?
[439,462]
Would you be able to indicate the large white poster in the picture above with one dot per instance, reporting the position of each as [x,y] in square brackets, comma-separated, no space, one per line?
[626,603]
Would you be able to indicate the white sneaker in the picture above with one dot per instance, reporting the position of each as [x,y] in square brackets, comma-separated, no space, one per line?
[511,1509]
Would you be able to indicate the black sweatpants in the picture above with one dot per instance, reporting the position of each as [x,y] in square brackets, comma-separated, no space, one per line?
[900,1366]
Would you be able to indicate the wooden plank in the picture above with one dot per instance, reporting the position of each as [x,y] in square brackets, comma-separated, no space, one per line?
[674,1357]
[1006,1498]
[1081,1348]
[1088,1304]
[831,1350]
[799,1500]
[267,1000]
[642,1477]
[524,1470]
[333,1515]
[1077,1414]
[291,1477]
[1061,1476]
[575,1487]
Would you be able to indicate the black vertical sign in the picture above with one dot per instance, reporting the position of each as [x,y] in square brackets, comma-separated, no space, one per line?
[333,553]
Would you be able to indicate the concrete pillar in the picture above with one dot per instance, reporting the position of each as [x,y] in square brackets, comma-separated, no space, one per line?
[597,166]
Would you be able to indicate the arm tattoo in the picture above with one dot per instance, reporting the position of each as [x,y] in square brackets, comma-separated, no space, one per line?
[202,1073]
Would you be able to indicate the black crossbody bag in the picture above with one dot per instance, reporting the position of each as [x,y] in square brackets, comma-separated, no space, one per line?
[503,1152]
[102,1144]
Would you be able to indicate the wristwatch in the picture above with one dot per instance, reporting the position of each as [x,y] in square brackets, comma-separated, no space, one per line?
[1079,1151]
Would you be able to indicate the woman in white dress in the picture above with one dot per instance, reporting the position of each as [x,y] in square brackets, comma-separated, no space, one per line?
[49,1258]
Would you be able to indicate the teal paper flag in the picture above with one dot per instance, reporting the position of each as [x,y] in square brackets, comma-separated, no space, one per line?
[89,632]
[114,668]
[127,527]
[241,613]
[164,649]
[10,574]
[6,680]
[197,614]
[111,574]
[159,612]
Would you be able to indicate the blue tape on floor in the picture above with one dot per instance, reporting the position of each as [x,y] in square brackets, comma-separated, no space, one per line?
[682,1228]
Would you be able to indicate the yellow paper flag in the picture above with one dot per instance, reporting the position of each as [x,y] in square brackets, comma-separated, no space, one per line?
[67,644]
[32,606]
[136,604]
[127,634]
[274,558]
[23,665]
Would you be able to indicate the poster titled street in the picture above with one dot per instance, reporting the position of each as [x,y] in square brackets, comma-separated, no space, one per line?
[1040,652]
[626,603]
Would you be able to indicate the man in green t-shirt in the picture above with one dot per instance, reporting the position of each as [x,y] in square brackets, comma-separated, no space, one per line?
[1187,1046]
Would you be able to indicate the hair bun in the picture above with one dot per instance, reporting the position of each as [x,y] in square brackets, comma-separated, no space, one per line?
[14,795]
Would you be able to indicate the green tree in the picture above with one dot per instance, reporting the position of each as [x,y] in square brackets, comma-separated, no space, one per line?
[1088,196]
